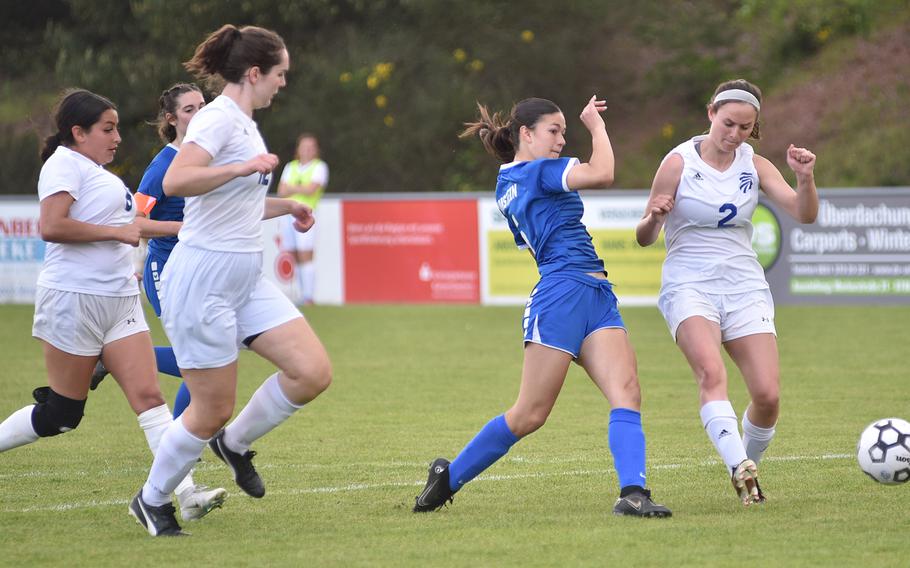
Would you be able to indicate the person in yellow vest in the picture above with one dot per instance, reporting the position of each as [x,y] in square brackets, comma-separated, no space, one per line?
[303,180]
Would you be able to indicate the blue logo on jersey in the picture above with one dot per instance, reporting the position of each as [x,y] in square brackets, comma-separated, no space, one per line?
[698,176]
[745,181]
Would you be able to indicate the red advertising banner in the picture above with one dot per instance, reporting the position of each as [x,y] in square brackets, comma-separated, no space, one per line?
[411,251]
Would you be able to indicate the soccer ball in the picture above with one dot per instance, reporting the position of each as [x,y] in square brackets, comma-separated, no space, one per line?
[883,451]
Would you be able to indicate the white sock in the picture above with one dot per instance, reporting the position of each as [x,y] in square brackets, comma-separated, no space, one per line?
[719,420]
[17,430]
[299,282]
[154,422]
[308,280]
[267,408]
[176,456]
[755,438]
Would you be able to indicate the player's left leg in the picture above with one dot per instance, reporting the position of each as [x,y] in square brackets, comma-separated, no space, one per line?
[608,358]
[757,359]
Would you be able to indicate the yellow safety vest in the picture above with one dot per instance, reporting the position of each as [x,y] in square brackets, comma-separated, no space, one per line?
[302,176]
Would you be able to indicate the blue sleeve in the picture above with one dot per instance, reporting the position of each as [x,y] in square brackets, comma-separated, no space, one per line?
[553,174]
[152,178]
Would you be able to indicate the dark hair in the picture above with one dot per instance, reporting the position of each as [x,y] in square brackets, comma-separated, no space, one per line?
[230,51]
[77,107]
[745,86]
[499,136]
[167,104]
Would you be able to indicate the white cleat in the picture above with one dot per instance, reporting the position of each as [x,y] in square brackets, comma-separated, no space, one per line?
[200,501]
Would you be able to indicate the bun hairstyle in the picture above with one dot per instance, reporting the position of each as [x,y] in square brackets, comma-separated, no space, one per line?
[77,107]
[167,104]
[743,85]
[230,51]
[499,135]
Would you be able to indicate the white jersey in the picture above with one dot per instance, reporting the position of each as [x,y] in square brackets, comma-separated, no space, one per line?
[709,229]
[101,268]
[228,218]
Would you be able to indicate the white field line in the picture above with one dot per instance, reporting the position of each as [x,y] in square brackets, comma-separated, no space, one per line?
[98,504]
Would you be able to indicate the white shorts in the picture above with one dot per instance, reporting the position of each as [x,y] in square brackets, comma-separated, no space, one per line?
[212,301]
[738,315]
[292,239]
[81,324]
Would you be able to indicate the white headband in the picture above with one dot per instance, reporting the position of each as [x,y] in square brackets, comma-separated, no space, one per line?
[737,95]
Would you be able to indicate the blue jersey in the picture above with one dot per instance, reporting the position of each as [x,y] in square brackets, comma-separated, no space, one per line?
[545,215]
[160,206]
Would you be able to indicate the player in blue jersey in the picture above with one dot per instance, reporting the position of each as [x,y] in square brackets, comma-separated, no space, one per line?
[571,314]
[713,291]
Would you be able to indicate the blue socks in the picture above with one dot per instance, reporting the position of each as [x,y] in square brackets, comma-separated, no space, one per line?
[167,364]
[491,443]
[627,444]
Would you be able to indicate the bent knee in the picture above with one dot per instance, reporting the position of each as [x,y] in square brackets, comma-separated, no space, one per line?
[522,423]
[55,414]
[314,376]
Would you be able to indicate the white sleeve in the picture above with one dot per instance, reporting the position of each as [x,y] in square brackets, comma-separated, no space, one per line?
[59,174]
[210,130]
[321,174]
[286,173]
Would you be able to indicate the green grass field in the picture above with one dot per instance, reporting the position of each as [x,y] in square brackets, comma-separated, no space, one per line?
[416,382]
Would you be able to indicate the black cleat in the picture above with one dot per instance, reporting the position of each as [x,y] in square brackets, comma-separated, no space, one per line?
[98,375]
[242,465]
[639,504]
[436,492]
[158,521]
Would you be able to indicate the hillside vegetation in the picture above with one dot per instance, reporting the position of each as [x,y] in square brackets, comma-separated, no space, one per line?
[387,84]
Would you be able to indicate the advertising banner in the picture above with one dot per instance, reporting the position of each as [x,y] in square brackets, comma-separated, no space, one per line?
[21,250]
[411,250]
[857,251]
[611,218]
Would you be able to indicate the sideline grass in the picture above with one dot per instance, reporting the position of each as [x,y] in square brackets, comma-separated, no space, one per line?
[416,382]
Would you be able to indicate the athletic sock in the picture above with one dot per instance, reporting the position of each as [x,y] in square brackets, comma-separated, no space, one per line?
[755,438]
[308,280]
[627,444]
[17,429]
[177,454]
[491,443]
[154,423]
[719,420]
[167,361]
[267,408]
[182,400]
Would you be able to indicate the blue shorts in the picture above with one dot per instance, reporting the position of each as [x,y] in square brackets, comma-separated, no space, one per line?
[151,279]
[564,309]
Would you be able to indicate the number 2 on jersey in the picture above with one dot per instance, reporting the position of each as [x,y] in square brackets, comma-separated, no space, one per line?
[730,209]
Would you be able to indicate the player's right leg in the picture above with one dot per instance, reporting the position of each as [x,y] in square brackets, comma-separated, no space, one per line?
[543,374]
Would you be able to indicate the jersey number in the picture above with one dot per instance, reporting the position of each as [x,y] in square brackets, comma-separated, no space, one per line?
[730,209]
[129,201]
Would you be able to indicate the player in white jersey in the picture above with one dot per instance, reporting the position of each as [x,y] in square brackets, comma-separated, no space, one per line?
[214,297]
[87,297]
[714,291]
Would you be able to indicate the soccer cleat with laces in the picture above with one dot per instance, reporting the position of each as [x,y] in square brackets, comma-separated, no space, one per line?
[745,482]
[98,375]
[638,503]
[158,521]
[199,502]
[436,492]
[241,464]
